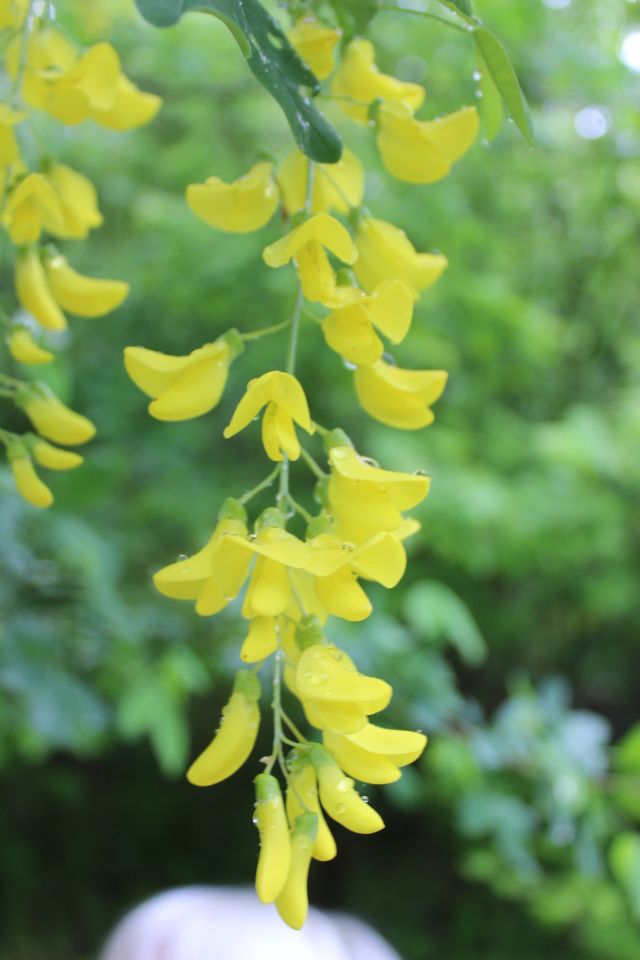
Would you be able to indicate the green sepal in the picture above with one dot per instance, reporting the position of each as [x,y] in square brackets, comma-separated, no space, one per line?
[267,787]
[306,825]
[319,525]
[309,632]
[232,509]
[336,438]
[271,517]
[234,341]
[247,683]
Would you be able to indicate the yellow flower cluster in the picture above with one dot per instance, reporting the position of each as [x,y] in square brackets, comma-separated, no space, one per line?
[46,202]
[367,277]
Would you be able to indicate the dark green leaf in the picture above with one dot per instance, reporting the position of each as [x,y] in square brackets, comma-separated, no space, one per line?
[465,6]
[490,106]
[271,59]
[497,61]
[354,18]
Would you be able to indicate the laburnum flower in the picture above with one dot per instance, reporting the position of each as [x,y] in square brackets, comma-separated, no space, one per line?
[24,348]
[286,404]
[336,186]
[32,204]
[307,244]
[78,201]
[73,88]
[399,398]
[239,207]
[303,789]
[235,737]
[81,295]
[275,848]
[364,499]
[375,754]
[9,151]
[359,82]
[339,797]
[51,417]
[187,386]
[422,151]
[292,902]
[28,484]
[12,13]
[33,291]
[386,253]
[350,329]
[315,44]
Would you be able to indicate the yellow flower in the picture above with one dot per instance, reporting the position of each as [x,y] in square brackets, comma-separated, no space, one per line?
[235,737]
[261,640]
[215,574]
[9,152]
[422,151]
[84,296]
[358,78]
[293,903]
[285,404]
[275,848]
[24,348]
[308,243]
[399,398]
[375,754]
[269,592]
[350,330]
[386,253]
[28,483]
[131,107]
[183,387]
[335,696]
[88,85]
[52,418]
[315,45]
[338,797]
[49,55]
[12,13]
[364,499]
[33,291]
[303,788]
[336,186]
[53,458]
[31,205]
[78,202]
[239,207]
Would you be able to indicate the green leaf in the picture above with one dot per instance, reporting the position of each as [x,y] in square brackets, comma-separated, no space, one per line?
[464,6]
[499,66]
[624,859]
[272,60]
[436,612]
[490,105]
[354,18]
[626,755]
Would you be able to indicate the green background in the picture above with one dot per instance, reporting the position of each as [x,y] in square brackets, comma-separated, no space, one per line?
[513,640]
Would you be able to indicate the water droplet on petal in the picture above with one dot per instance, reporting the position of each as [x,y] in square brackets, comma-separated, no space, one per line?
[349,365]
[341,808]
[364,798]
[182,557]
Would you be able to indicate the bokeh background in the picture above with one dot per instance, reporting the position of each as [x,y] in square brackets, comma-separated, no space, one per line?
[514,642]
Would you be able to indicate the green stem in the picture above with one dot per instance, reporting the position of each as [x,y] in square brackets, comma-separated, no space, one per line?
[276,702]
[259,487]
[266,331]
[299,509]
[461,27]
[293,728]
[315,468]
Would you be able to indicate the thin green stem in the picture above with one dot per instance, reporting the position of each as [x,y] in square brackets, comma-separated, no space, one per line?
[461,27]
[266,331]
[259,487]
[299,509]
[276,704]
[295,330]
[315,468]
[296,732]
[312,316]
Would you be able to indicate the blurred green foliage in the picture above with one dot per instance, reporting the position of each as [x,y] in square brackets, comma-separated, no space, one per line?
[514,641]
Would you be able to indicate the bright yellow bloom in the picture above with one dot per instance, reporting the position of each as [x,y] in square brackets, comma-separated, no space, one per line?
[365,499]
[336,186]
[386,253]
[239,207]
[269,591]
[350,330]
[293,902]
[32,205]
[9,152]
[399,398]
[53,458]
[375,754]
[275,848]
[12,13]
[131,107]
[183,387]
[215,574]
[303,788]
[261,640]
[28,483]
[308,243]
[315,45]
[339,798]
[235,737]
[33,292]
[52,418]
[84,296]
[78,201]
[422,151]
[24,348]
[358,79]
[285,404]
[335,696]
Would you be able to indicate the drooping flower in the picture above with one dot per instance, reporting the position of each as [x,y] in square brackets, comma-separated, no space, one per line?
[399,398]
[51,417]
[9,151]
[275,848]
[130,108]
[31,204]
[183,387]
[359,82]
[315,45]
[285,404]
[422,151]
[33,291]
[24,348]
[375,754]
[303,789]
[293,903]
[28,484]
[336,186]
[235,737]
[340,799]
[350,330]
[242,206]
[84,296]
[78,201]
[386,253]
[308,243]
[12,13]
[53,458]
